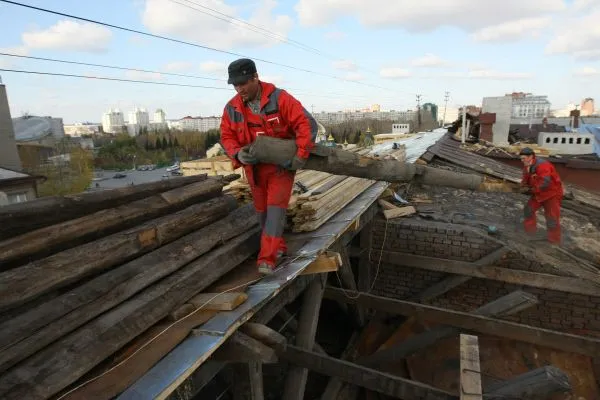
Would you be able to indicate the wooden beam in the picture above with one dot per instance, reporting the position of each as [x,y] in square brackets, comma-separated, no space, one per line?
[247,381]
[476,323]
[210,301]
[510,304]
[386,205]
[346,276]
[361,376]
[327,262]
[256,381]
[197,381]
[292,325]
[399,212]
[470,369]
[453,281]
[335,384]
[365,276]
[295,383]
[241,348]
[538,384]
[263,334]
[517,277]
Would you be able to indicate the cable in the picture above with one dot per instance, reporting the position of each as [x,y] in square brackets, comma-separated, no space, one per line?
[105,78]
[185,42]
[156,337]
[111,67]
[254,28]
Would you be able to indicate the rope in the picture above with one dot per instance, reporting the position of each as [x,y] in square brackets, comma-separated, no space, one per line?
[156,337]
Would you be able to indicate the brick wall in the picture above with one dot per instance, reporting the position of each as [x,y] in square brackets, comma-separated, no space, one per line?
[556,310]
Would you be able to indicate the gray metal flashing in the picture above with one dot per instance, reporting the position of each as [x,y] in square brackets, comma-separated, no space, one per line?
[164,377]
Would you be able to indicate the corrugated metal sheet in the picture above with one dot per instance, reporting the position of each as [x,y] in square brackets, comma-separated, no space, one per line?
[416,145]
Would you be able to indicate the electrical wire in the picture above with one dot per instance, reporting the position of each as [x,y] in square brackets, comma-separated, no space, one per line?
[187,43]
[111,67]
[247,25]
[106,78]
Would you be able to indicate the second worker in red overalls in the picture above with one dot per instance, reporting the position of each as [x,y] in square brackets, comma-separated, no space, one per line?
[259,108]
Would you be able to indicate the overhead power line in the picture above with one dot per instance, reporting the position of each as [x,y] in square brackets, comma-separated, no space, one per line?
[106,78]
[247,25]
[185,43]
[111,67]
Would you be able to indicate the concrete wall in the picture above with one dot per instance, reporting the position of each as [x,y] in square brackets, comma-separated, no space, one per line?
[502,107]
[556,310]
[567,143]
[9,156]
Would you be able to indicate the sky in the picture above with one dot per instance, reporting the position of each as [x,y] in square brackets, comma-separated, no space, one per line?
[331,55]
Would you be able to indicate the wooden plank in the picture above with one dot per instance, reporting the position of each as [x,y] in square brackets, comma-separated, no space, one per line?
[470,368]
[40,326]
[197,381]
[66,360]
[386,205]
[538,384]
[399,212]
[510,304]
[218,301]
[362,376]
[256,381]
[149,349]
[291,323]
[241,348]
[517,277]
[327,262]
[334,385]
[476,323]
[295,383]
[20,218]
[264,334]
[45,241]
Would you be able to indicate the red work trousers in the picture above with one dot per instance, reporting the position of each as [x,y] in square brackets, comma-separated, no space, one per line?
[271,192]
[551,212]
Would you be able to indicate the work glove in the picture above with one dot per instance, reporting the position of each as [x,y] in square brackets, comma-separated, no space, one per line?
[295,163]
[525,190]
[245,157]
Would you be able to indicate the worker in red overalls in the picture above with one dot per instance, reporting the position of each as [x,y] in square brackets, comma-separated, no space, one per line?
[259,108]
[541,180]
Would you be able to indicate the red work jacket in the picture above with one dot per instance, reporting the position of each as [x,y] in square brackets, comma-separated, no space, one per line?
[543,180]
[281,116]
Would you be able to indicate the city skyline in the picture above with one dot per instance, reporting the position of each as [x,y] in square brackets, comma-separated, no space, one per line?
[331,56]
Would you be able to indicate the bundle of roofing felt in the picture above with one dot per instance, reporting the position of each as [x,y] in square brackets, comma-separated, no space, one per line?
[83,276]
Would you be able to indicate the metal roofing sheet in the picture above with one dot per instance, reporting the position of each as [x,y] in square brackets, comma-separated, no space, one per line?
[416,145]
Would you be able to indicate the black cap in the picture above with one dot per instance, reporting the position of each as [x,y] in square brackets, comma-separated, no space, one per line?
[240,71]
[526,151]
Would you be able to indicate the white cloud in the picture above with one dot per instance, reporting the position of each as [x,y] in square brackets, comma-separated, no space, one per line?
[170,18]
[344,65]
[587,55]
[498,75]
[143,76]
[513,30]
[178,66]
[428,60]
[354,76]
[424,16]
[18,50]
[394,73]
[578,36]
[69,36]
[581,5]
[587,71]
[214,67]
[335,35]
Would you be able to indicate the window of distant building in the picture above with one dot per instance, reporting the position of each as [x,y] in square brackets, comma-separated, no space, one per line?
[555,140]
[564,140]
[14,198]
[587,141]
[570,140]
[578,140]
[547,140]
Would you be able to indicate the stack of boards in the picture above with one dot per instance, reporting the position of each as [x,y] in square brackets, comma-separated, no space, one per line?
[96,288]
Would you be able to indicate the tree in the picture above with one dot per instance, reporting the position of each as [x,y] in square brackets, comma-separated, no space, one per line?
[175,142]
[165,145]
[170,142]
[158,144]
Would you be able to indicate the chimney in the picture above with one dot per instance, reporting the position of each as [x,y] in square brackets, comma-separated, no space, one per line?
[575,114]
[486,121]
[545,123]
[9,155]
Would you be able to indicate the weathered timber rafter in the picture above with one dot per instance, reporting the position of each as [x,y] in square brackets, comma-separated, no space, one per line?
[476,323]
[517,277]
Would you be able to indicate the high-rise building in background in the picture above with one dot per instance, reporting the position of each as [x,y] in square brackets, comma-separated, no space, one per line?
[113,121]
[160,117]
[587,107]
[139,117]
[9,156]
[526,105]
[430,108]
